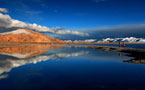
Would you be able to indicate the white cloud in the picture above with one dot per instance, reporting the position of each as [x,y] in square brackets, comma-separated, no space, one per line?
[8,64]
[3,10]
[7,22]
[72,32]
[117,31]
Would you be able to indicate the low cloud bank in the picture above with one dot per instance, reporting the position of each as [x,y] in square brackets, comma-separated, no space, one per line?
[120,31]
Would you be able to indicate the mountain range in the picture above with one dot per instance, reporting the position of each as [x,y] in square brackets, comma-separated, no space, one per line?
[126,39]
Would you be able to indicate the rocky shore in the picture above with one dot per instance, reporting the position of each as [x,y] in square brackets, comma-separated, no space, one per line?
[137,54]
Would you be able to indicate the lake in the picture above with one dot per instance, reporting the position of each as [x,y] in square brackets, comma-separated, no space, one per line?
[58,67]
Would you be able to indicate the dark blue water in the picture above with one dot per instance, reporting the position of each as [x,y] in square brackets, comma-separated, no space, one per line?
[70,68]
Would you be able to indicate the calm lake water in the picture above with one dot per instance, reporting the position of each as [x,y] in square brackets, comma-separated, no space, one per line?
[68,68]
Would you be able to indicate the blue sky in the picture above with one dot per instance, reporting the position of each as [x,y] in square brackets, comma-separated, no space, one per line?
[77,14]
[74,14]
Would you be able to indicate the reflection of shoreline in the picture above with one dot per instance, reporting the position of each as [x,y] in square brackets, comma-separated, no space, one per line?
[27,51]
[18,56]
[6,65]
[135,61]
[138,54]
[14,44]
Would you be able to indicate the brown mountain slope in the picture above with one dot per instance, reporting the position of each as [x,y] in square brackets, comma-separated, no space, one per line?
[27,36]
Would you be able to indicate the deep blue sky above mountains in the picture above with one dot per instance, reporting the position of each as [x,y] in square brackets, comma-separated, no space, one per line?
[87,16]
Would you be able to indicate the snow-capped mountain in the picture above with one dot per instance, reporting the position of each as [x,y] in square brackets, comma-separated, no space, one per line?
[27,36]
[18,31]
[82,41]
[127,39]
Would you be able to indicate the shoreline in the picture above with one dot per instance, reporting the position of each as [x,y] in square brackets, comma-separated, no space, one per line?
[105,43]
[21,43]
[137,54]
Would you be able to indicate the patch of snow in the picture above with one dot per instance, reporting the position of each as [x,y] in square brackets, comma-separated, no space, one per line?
[127,39]
[82,41]
[18,31]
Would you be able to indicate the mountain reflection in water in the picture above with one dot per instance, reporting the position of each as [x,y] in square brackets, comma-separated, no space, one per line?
[60,67]
[17,56]
[12,57]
